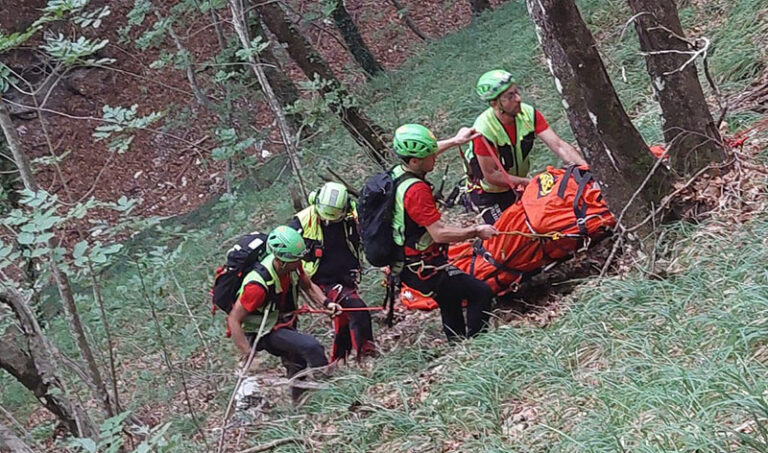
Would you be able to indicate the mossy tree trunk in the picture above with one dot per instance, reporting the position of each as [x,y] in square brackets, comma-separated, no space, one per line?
[693,140]
[363,131]
[616,152]
[354,39]
[33,362]
[11,442]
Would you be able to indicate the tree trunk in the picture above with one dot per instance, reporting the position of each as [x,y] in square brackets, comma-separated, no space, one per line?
[238,20]
[363,131]
[354,40]
[36,370]
[402,11]
[76,327]
[19,156]
[11,442]
[8,180]
[284,88]
[616,152]
[478,6]
[693,140]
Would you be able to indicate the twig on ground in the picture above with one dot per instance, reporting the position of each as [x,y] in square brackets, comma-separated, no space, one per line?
[273,444]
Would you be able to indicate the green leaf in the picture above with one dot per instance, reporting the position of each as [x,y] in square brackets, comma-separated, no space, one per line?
[5,250]
[222,153]
[84,444]
[138,13]
[25,238]
[71,52]
[39,252]
[79,249]
[43,238]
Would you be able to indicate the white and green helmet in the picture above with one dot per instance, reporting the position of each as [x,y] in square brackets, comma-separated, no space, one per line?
[332,201]
[493,83]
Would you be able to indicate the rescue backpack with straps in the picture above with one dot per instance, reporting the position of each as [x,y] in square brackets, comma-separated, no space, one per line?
[375,210]
[242,258]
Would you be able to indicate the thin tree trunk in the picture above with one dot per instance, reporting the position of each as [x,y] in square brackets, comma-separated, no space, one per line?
[284,88]
[19,156]
[76,327]
[10,441]
[201,97]
[36,370]
[363,131]
[8,179]
[238,20]
[354,39]
[402,11]
[478,6]
[693,140]
[613,147]
[97,296]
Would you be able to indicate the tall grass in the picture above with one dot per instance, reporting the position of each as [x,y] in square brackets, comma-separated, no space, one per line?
[635,365]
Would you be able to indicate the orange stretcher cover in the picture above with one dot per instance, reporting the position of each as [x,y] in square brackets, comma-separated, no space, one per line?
[559,210]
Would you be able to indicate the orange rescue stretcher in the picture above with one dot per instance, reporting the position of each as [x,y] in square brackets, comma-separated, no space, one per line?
[561,211]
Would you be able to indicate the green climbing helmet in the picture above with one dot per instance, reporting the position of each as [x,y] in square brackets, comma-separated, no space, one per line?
[332,201]
[286,244]
[414,140]
[493,83]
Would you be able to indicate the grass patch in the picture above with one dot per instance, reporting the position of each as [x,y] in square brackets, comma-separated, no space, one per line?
[634,365]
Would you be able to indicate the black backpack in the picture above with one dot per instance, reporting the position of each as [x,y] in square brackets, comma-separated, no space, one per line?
[375,210]
[242,258]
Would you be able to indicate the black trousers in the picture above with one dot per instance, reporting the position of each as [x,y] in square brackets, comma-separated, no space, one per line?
[449,287]
[491,204]
[353,329]
[296,350]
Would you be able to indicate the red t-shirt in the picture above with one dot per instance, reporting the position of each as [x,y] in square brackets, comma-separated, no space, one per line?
[254,295]
[420,205]
[481,149]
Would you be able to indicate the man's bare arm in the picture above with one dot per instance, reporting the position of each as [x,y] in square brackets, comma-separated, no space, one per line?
[464,135]
[567,153]
[234,320]
[446,234]
[495,176]
[312,291]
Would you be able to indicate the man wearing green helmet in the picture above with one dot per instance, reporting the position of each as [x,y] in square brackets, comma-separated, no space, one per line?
[418,228]
[497,161]
[271,291]
[329,228]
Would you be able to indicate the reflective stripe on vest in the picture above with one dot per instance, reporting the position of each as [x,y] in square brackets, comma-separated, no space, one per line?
[311,229]
[271,284]
[492,129]
[398,217]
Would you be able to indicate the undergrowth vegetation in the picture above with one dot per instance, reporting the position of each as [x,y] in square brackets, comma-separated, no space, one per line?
[635,364]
